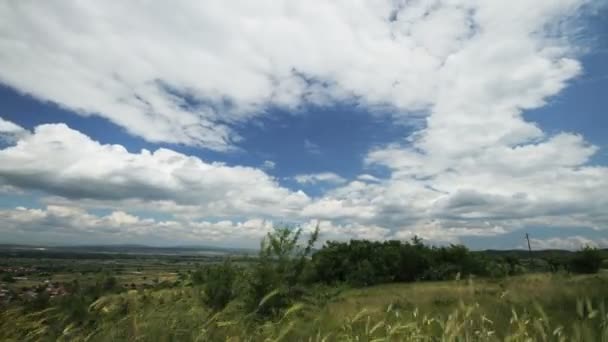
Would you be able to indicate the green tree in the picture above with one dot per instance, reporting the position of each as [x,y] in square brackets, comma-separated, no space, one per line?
[219,287]
[8,278]
[587,260]
[275,278]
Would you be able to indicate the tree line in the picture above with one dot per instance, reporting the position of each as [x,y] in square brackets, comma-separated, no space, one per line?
[286,270]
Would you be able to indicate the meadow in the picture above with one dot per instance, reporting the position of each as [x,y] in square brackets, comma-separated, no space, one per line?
[291,292]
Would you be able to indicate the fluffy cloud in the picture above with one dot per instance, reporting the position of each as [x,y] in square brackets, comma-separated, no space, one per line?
[67,223]
[437,204]
[546,182]
[60,224]
[476,167]
[10,132]
[323,177]
[570,242]
[477,164]
[268,165]
[185,72]
[497,189]
[65,162]
[367,178]
[329,230]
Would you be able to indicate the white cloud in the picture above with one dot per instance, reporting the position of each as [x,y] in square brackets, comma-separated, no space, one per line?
[61,224]
[330,208]
[9,127]
[64,162]
[473,67]
[311,147]
[184,72]
[330,231]
[570,242]
[65,223]
[10,132]
[546,181]
[477,164]
[322,177]
[268,165]
[368,178]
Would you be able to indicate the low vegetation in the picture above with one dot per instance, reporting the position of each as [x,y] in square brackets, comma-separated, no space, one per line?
[352,291]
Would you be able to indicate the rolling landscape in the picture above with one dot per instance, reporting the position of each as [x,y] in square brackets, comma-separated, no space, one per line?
[359,290]
[306,171]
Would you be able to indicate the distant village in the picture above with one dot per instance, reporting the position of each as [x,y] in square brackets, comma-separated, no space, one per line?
[11,275]
[20,283]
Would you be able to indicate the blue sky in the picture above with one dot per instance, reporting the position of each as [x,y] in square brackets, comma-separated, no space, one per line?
[436,122]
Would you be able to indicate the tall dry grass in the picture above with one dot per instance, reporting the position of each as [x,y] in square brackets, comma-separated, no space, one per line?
[519,309]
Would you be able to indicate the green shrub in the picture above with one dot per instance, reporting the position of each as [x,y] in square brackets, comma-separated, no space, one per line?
[363,263]
[8,278]
[198,277]
[274,281]
[363,274]
[219,287]
[587,260]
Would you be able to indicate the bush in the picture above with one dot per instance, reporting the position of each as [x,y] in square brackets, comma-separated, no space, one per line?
[363,274]
[587,260]
[219,287]
[8,278]
[275,280]
[363,263]
[198,277]
[109,283]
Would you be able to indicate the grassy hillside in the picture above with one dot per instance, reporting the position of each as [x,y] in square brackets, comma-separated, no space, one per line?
[346,291]
[539,306]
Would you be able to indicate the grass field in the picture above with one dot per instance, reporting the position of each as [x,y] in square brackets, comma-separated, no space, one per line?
[556,294]
[287,293]
[552,307]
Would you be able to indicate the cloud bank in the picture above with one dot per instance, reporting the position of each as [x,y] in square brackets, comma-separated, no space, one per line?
[186,72]
[481,196]
[190,73]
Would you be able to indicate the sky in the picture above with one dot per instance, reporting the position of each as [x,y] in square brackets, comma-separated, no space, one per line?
[209,123]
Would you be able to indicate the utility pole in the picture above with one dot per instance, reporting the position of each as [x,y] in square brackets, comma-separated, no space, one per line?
[529,248]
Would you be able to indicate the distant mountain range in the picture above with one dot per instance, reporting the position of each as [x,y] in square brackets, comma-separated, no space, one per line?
[137,249]
[130,249]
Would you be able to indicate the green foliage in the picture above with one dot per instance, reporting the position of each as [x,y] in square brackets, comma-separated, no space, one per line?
[219,287]
[109,283]
[587,260]
[288,293]
[456,311]
[274,281]
[198,277]
[7,278]
[364,263]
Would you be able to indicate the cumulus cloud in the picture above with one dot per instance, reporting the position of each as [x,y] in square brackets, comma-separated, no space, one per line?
[65,162]
[188,76]
[471,68]
[547,182]
[10,132]
[367,178]
[58,223]
[311,147]
[322,177]
[478,164]
[330,231]
[63,223]
[268,165]
[439,206]
[570,242]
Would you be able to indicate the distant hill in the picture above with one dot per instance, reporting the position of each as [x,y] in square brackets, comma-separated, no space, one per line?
[126,249]
[523,253]
[214,251]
